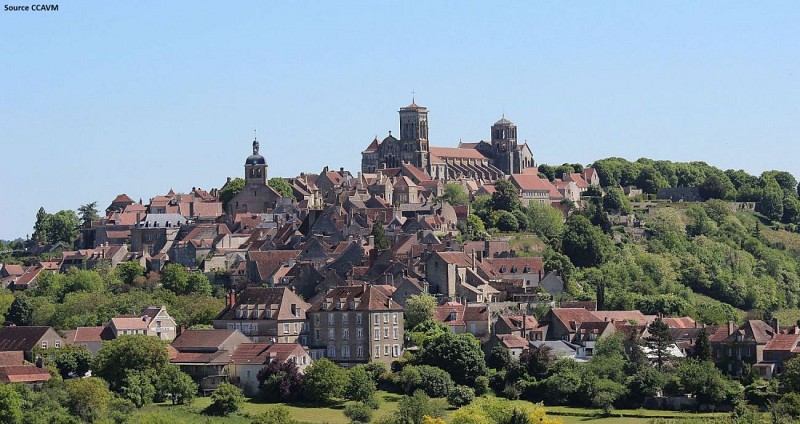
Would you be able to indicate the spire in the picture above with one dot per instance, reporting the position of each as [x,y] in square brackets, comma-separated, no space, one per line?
[255,146]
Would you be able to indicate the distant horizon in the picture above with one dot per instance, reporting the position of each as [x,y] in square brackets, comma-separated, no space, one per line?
[104,98]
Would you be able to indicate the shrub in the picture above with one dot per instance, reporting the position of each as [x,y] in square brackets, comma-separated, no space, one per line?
[225,401]
[358,412]
[275,415]
[460,396]
[481,385]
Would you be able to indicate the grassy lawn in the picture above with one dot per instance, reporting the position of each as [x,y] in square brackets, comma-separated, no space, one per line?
[334,414]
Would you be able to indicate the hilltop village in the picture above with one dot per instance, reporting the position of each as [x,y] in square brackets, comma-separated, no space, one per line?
[454,271]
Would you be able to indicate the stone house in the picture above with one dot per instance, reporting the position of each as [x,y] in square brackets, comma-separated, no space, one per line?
[533,189]
[29,339]
[266,314]
[205,354]
[472,319]
[91,338]
[355,324]
[153,321]
[249,358]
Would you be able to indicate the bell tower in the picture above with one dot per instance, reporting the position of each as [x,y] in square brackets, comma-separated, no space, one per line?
[414,134]
[504,144]
[255,167]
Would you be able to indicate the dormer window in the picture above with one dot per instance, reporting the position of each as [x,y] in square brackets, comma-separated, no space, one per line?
[503,269]
[513,269]
[452,316]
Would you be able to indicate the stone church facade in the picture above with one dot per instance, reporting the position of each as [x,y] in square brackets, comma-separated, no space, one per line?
[484,160]
[256,196]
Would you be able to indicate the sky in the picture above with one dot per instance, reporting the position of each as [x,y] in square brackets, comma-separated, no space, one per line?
[137,97]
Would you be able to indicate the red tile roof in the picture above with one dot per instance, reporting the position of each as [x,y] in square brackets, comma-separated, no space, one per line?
[572,317]
[513,342]
[16,357]
[455,152]
[23,374]
[516,265]
[90,334]
[528,182]
[783,342]
[13,270]
[361,297]
[264,353]
[681,322]
[21,338]
[205,338]
[632,316]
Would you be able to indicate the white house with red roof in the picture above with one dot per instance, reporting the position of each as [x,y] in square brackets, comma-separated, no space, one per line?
[249,358]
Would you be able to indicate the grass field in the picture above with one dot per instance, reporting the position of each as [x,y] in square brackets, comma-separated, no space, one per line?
[166,413]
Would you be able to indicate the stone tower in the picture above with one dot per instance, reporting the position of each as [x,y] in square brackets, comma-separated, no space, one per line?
[504,144]
[255,168]
[414,135]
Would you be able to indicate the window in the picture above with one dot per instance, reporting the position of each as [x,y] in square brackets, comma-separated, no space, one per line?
[285,329]
[44,344]
[377,334]
[331,351]
[377,351]
[345,318]
[358,319]
[331,335]
[395,350]
[377,319]
[395,333]
[359,333]
[58,344]
[330,319]
[158,325]
[230,326]
[345,334]
[386,318]
[360,352]
[296,327]
[316,319]
[316,334]
[394,318]
[386,350]
[345,351]
[386,333]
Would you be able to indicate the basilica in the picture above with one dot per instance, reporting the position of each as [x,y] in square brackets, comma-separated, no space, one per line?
[481,161]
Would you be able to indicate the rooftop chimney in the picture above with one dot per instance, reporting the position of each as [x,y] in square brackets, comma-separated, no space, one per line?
[731,327]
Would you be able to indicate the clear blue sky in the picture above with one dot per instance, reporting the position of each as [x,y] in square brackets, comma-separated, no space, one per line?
[138,97]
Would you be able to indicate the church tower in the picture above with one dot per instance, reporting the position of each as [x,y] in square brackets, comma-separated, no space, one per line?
[414,135]
[504,144]
[255,168]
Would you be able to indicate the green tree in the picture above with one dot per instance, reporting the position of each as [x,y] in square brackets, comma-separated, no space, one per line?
[198,284]
[548,171]
[616,201]
[324,381]
[412,409]
[41,229]
[129,271]
[458,354]
[360,385]
[506,221]
[174,384]
[472,228]
[225,401]
[790,378]
[419,308]
[584,243]
[88,213]
[505,197]
[771,203]
[717,186]
[702,379]
[127,354]
[281,186]
[175,278]
[63,226]
[499,357]
[545,221]
[379,235]
[647,382]
[702,347]
[138,389]
[21,311]
[791,211]
[88,398]
[230,190]
[606,392]
[72,360]
[455,194]
[11,404]
[659,341]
